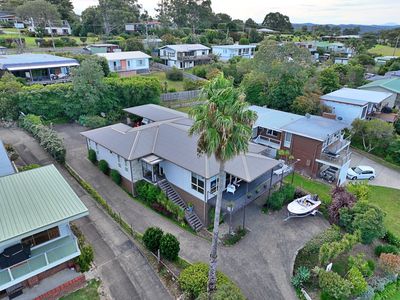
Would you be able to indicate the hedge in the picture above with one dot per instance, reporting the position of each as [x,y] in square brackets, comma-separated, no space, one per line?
[92,121]
[116,177]
[103,166]
[46,136]
[169,247]
[152,237]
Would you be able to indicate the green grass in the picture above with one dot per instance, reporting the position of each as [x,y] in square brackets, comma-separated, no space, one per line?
[387,199]
[177,85]
[383,50]
[395,297]
[87,293]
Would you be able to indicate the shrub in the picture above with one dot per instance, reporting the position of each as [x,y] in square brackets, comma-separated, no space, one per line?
[360,190]
[92,121]
[174,74]
[193,280]
[116,177]
[224,292]
[340,198]
[28,167]
[103,166]
[200,71]
[356,278]
[329,251]
[333,284]
[190,85]
[85,259]
[390,262]
[147,192]
[361,264]
[302,275]
[169,247]
[152,237]
[92,156]
[386,249]
[278,198]
[392,239]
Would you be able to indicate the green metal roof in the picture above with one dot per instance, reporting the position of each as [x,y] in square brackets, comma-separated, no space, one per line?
[35,200]
[391,84]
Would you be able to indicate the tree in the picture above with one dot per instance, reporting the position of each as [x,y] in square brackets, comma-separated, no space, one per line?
[340,198]
[9,87]
[65,9]
[328,80]
[355,75]
[223,125]
[92,21]
[250,23]
[88,86]
[372,133]
[277,21]
[244,41]
[309,103]
[133,44]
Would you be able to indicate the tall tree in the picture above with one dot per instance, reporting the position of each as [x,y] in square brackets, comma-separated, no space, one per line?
[250,23]
[92,21]
[223,125]
[328,80]
[277,21]
[65,9]
[41,12]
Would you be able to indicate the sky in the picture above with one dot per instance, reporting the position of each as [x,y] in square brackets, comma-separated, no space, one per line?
[299,11]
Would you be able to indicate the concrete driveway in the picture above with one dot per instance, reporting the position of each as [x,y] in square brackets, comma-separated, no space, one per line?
[261,264]
[384,175]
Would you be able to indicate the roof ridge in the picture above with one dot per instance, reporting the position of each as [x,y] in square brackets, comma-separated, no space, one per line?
[245,166]
[134,144]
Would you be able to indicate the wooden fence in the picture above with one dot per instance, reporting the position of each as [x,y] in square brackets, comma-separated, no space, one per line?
[180,96]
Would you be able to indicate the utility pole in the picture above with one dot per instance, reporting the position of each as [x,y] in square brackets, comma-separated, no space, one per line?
[51,34]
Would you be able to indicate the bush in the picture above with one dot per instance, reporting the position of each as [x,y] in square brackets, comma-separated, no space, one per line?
[340,199]
[302,275]
[174,74]
[169,247]
[193,280]
[333,284]
[146,191]
[224,292]
[356,278]
[46,136]
[190,85]
[103,166]
[200,71]
[116,177]
[92,156]
[392,239]
[280,197]
[329,251]
[92,121]
[28,167]
[366,267]
[152,237]
[386,249]
[85,259]
[390,262]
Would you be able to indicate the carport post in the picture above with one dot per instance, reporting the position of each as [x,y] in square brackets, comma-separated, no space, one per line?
[244,215]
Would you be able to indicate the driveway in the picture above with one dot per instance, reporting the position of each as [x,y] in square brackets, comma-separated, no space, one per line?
[124,272]
[260,264]
[384,176]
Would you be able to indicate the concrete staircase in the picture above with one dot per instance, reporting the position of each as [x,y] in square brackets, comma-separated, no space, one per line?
[191,217]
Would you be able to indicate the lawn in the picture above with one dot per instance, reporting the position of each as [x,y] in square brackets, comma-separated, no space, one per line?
[388,199]
[87,293]
[177,85]
[383,50]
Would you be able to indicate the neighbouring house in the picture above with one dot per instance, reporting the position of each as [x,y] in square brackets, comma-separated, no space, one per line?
[381,60]
[391,85]
[103,48]
[341,60]
[152,43]
[226,52]
[350,104]
[142,26]
[56,28]
[6,166]
[185,56]
[388,75]
[36,240]
[317,143]
[38,68]
[7,17]
[160,151]
[127,63]
[266,30]
[336,47]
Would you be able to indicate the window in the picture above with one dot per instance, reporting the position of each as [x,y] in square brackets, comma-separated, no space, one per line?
[198,183]
[364,112]
[288,139]
[126,165]
[96,147]
[272,132]
[42,237]
[140,62]
[129,63]
[214,184]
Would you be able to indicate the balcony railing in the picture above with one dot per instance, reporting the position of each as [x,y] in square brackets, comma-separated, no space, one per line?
[266,141]
[193,57]
[337,160]
[43,258]
[338,145]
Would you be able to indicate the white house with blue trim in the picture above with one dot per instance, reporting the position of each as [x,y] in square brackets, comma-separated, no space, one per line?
[127,63]
[226,52]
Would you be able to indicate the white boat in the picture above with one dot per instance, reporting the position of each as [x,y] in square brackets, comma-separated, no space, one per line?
[302,207]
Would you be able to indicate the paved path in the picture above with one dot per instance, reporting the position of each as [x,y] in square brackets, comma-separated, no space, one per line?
[124,272]
[384,175]
[261,264]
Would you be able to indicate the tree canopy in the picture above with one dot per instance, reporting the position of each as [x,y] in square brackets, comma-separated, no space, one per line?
[277,21]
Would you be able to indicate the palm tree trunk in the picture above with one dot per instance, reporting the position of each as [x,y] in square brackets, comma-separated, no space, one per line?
[212,272]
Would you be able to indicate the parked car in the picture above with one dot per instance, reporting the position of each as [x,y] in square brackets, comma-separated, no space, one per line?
[361,172]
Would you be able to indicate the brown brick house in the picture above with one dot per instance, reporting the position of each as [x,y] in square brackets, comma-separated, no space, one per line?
[317,143]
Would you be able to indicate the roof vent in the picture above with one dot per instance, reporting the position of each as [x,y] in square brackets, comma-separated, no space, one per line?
[308,116]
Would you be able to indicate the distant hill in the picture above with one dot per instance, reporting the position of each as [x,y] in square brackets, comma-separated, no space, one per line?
[363,28]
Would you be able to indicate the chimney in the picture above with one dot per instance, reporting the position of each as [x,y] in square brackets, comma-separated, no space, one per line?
[329,115]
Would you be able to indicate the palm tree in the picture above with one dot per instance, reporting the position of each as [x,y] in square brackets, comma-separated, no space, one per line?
[223,124]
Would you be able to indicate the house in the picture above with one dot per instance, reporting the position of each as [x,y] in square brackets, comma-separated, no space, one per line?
[381,60]
[6,166]
[38,68]
[57,28]
[142,26]
[350,104]
[103,48]
[127,63]
[226,52]
[152,43]
[160,151]
[336,47]
[266,30]
[317,143]
[341,60]
[36,240]
[391,85]
[7,17]
[185,56]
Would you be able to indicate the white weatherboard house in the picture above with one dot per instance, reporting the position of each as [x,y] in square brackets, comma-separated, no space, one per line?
[350,104]
[162,152]
[185,56]
[36,207]
[127,63]
[226,52]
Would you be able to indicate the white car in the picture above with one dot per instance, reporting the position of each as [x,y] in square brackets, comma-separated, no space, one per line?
[361,172]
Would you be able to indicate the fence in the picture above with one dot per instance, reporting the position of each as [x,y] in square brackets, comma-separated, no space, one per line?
[180,96]
[158,66]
